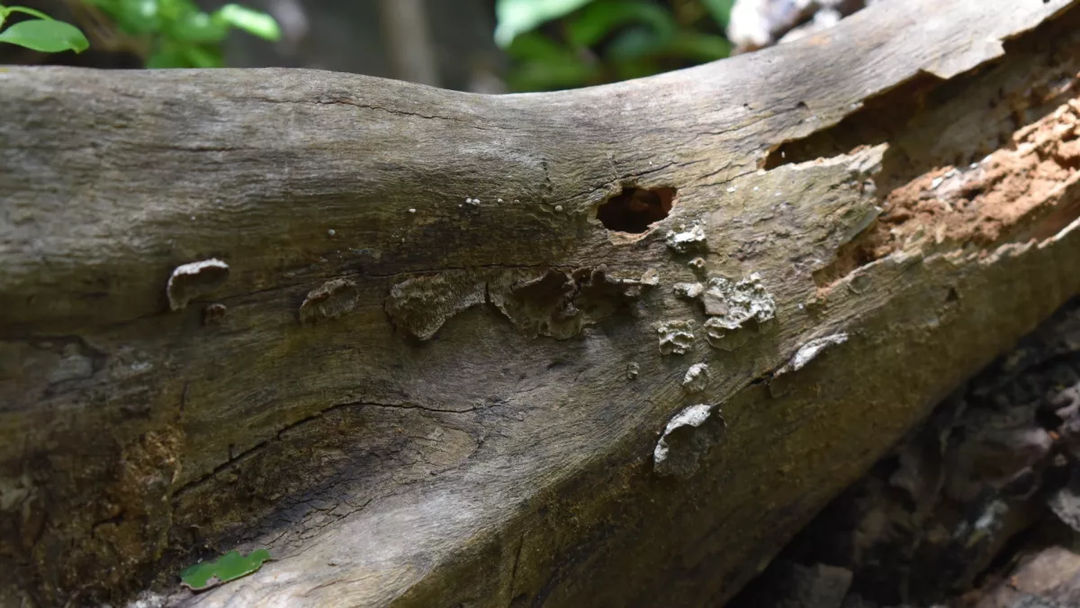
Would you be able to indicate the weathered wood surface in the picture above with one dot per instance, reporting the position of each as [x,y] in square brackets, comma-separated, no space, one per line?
[433,377]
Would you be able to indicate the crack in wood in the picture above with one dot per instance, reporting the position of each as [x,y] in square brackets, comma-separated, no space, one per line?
[250,451]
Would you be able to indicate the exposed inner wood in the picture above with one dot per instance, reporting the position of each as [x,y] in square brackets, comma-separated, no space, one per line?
[1021,192]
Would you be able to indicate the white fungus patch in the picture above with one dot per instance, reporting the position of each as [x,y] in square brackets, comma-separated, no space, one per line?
[650,278]
[733,304]
[420,305]
[676,337]
[807,352]
[189,281]
[696,378]
[697,265]
[719,337]
[330,300]
[687,438]
[687,240]
[688,291]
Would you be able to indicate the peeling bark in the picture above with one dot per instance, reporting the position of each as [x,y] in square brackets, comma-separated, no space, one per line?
[437,374]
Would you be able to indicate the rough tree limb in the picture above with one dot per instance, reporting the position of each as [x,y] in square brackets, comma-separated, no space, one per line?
[432,376]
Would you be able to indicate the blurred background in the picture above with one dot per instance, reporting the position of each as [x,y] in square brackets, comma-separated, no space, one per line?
[489,46]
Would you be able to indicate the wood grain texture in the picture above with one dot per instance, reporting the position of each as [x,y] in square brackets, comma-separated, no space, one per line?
[416,383]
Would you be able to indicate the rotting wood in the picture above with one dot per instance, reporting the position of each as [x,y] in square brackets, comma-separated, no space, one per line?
[440,378]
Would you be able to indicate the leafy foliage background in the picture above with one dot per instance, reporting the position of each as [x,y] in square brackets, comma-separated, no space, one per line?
[555,44]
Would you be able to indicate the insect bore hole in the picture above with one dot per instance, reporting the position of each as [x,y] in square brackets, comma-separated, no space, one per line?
[635,209]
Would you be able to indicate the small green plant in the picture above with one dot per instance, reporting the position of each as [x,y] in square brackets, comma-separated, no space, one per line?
[179,34]
[42,33]
[569,43]
[228,567]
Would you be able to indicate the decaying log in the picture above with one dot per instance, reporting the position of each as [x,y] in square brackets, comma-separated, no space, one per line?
[989,482]
[434,348]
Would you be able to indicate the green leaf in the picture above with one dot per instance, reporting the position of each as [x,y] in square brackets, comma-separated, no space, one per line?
[601,18]
[203,57]
[636,68]
[251,21]
[198,27]
[46,35]
[720,10]
[166,58]
[634,43]
[549,76]
[133,16]
[541,64]
[536,46]
[698,47]
[513,17]
[181,54]
[228,567]
[26,10]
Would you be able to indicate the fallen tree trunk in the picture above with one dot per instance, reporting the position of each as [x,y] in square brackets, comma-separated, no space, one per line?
[602,347]
[988,482]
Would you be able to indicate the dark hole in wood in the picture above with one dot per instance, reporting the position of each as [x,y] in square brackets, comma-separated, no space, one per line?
[635,209]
